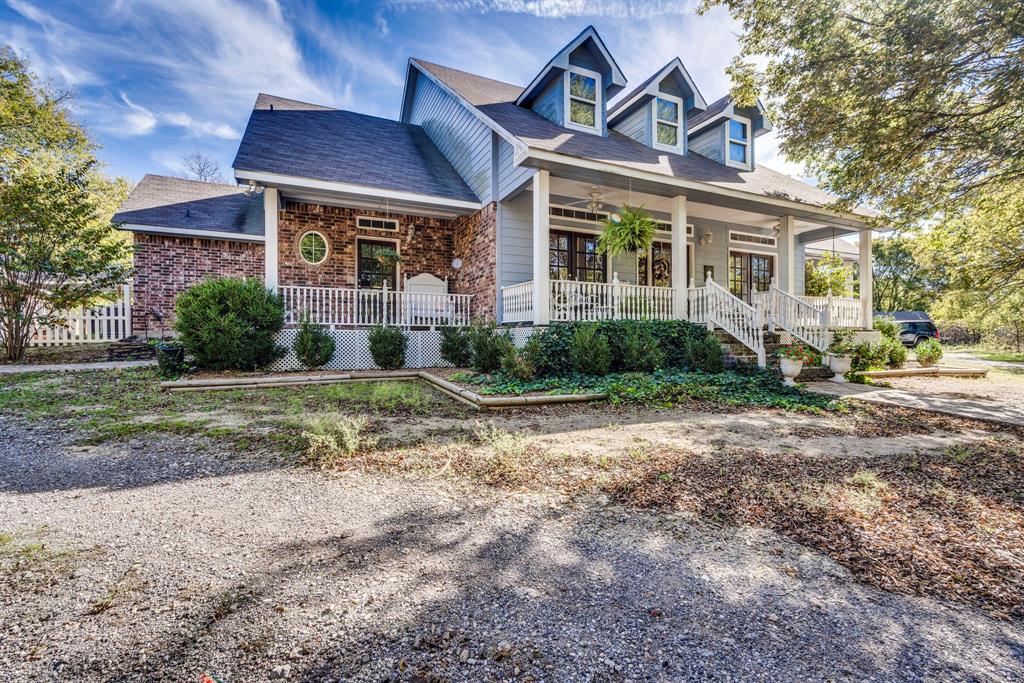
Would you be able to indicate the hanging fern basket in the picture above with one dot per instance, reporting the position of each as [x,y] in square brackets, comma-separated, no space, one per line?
[633,232]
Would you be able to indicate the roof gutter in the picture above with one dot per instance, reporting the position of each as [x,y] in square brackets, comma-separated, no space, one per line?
[191,232]
[615,169]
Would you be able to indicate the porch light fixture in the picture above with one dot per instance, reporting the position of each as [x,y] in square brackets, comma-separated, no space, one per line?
[777,230]
[252,188]
[411,232]
[706,238]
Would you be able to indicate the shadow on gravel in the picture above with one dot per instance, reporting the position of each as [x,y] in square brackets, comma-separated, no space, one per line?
[586,596]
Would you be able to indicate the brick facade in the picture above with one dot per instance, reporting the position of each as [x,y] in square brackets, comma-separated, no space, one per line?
[425,244]
[476,239]
[166,265]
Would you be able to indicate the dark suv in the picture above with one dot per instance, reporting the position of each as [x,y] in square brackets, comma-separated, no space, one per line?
[913,332]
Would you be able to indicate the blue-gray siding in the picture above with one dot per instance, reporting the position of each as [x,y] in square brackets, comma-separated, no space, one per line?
[516,246]
[710,143]
[510,176]
[551,103]
[463,139]
[637,125]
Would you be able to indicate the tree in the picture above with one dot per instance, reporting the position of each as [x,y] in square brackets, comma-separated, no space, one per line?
[828,276]
[901,281]
[198,166]
[58,249]
[912,106]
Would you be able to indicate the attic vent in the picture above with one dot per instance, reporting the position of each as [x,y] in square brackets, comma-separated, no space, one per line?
[367,223]
[751,238]
[577,214]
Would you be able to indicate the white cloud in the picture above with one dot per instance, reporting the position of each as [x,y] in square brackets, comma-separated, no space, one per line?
[553,9]
[137,120]
[201,128]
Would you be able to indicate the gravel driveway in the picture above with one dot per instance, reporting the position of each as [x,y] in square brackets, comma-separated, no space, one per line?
[167,558]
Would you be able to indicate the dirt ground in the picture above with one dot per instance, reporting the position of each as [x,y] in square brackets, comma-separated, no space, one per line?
[1000,385]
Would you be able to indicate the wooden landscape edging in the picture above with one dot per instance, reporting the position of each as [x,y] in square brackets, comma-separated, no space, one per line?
[924,372]
[470,398]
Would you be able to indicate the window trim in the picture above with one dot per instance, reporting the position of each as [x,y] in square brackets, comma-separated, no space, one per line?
[747,144]
[598,96]
[773,247]
[395,221]
[678,124]
[327,247]
[398,250]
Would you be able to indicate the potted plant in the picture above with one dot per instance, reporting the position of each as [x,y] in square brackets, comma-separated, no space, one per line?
[170,357]
[791,361]
[840,354]
[631,232]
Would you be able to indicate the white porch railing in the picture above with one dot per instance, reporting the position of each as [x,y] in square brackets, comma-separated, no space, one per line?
[517,303]
[736,317]
[349,307]
[807,323]
[572,301]
[106,322]
[697,304]
[843,311]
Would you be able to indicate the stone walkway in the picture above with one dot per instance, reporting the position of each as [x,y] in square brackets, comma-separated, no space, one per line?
[75,367]
[987,411]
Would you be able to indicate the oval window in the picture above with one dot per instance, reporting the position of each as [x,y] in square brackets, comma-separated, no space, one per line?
[313,248]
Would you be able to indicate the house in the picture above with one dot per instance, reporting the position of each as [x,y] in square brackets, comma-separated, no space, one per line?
[484,200]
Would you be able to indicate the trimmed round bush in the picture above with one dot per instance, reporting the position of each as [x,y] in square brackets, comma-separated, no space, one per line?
[313,346]
[229,324]
[387,346]
[928,353]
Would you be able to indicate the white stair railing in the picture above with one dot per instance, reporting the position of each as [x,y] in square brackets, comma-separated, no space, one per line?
[807,323]
[738,318]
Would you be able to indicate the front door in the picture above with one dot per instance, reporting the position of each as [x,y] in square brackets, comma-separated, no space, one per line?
[573,256]
[750,273]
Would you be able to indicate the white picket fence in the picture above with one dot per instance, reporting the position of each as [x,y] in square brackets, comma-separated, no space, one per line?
[107,322]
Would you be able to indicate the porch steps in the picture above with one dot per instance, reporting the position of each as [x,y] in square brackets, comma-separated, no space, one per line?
[737,352]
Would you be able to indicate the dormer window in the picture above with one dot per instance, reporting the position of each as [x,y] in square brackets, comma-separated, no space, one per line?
[668,113]
[583,99]
[738,142]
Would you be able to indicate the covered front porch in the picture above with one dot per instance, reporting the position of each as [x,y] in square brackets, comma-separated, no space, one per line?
[724,261]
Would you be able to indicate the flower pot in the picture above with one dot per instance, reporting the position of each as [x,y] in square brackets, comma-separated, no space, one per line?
[840,365]
[171,352]
[790,369]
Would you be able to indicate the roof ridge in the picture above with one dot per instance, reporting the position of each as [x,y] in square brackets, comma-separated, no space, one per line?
[463,71]
[191,180]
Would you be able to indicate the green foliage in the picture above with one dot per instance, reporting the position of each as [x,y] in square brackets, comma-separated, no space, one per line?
[58,249]
[632,233]
[681,344]
[912,107]
[755,387]
[313,345]
[229,324]
[638,350]
[333,438]
[888,327]
[455,346]
[842,343]
[903,279]
[520,364]
[487,346]
[895,352]
[888,353]
[387,347]
[170,358]
[928,353]
[589,351]
[829,275]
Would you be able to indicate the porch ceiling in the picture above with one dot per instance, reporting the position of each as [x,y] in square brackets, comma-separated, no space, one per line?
[749,210]
[577,193]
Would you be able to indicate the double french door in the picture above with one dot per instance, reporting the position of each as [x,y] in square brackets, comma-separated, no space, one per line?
[573,256]
[750,273]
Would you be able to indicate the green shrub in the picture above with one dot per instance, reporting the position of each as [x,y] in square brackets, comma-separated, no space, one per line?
[455,346]
[229,324]
[590,352]
[313,346]
[639,351]
[520,364]
[894,352]
[487,346]
[889,328]
[331,439]
[387,346]
[928,353]
[704,352]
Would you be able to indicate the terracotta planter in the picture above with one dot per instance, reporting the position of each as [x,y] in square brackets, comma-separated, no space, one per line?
[840,365]
[790,369]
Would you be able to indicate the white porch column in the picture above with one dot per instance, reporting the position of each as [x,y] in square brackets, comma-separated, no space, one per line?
[679,268]
[541,230]
[270,238]
[787,254]
[867,310]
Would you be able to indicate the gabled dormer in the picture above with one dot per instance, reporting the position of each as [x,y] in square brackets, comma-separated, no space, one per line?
[573,88]
[726,133]
[656,112]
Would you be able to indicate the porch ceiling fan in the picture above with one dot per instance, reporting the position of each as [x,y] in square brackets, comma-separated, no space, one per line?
[593,202]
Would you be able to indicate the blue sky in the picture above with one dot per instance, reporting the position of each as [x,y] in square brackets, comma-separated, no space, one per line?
[154,79]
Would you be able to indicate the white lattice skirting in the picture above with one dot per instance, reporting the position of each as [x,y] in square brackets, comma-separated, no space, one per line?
[352,349]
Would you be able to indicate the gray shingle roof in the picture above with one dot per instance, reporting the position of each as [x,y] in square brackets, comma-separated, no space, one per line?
[496,100]
[714,109]
[308,141]
[164,202]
